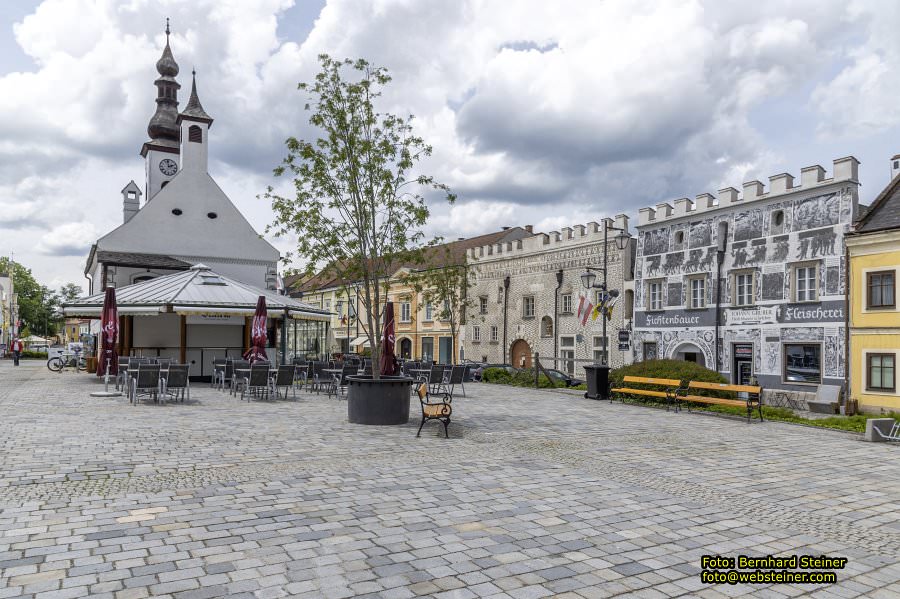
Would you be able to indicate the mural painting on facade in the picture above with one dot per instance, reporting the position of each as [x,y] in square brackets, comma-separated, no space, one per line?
[697,262]
[782,249]
[674,294]
[700,234]
[741,256]
[773,285]
[652,266]
[674,263]
[816,243]
[748,225]
[817,211]
[656,242]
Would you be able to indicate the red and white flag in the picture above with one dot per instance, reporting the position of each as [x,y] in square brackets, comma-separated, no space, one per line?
[580,306]
[587,313]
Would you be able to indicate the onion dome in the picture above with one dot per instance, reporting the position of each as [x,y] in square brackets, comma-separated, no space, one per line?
[163,125]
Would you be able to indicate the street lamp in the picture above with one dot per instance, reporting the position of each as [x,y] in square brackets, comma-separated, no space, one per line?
[598,374]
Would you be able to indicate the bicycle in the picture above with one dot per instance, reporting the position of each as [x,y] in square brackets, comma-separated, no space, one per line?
[67,360]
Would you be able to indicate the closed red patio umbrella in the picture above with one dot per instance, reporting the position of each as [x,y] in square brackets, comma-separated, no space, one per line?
[109,324]
[388,360]
[258,338]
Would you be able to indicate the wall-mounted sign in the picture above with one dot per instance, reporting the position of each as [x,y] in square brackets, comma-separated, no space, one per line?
[624,337]
[213,319]
[759,315]
[624,346]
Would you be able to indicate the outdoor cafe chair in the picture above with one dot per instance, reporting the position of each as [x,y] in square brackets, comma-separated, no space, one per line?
[318,377]
[122,374]
[258,381]
[176,382]
[237,380]
[452,376]
[218,368]
[435,378]
[340,382]
[284,379]
[145,380]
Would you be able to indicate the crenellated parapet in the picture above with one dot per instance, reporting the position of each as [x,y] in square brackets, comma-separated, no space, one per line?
[566,237]
[811,177]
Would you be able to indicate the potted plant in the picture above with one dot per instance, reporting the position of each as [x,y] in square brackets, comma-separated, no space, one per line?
[357,206]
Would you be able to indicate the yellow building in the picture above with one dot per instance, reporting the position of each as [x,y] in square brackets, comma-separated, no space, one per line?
[874,251]
[420,332]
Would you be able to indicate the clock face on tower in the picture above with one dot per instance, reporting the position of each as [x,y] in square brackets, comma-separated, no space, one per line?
[168,167]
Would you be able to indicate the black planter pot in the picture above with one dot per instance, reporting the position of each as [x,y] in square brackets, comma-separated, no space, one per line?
[385,401]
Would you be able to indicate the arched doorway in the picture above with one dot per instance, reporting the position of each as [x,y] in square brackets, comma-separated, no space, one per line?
[689,353]
[520,354]
[405,349]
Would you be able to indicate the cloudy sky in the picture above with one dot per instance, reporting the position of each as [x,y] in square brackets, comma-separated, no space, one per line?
[544,113]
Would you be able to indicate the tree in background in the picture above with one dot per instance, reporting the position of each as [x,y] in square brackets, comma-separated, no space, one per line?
[69,292]
[357,203]
[38,304]
[444,284]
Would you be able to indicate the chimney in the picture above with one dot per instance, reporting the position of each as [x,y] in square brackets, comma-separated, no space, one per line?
[895,166]
[131,200]
[529,228]
[505,228]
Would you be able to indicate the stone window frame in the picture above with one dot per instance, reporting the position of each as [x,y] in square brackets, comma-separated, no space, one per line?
[734,287]
[406,311]
[476,334]
[495,334]
[483,304]
[784,363]
[566,297]
[795,286]
[689,296]
[662,302]
[528,300]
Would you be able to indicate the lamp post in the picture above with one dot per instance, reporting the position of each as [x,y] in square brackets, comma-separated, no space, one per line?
[598,374]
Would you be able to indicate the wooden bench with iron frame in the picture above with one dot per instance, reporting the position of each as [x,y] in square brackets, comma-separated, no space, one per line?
[753,395]
[434,410]
[670,386]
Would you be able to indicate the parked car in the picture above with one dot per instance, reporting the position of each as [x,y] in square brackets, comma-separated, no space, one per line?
[558,376]
[482,367]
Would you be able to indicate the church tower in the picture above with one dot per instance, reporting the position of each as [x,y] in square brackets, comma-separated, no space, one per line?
[195,124]
[161,151]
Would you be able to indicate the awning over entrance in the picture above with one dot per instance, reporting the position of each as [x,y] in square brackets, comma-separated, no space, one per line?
[364,341]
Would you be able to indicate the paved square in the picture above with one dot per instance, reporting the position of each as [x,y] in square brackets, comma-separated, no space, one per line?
[537,494]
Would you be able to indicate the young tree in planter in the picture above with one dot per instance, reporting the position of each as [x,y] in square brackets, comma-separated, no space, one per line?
[357,202]
[444,284]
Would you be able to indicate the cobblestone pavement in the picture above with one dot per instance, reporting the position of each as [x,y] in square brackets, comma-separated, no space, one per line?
[536,494]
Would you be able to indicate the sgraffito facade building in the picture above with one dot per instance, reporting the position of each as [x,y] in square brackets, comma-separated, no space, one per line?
[751,285]
[524,296]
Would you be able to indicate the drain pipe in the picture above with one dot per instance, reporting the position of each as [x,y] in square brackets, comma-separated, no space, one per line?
[720,257]
[559,282]
[505,309]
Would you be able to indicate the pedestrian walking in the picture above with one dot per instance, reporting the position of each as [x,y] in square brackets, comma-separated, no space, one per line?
[18,347]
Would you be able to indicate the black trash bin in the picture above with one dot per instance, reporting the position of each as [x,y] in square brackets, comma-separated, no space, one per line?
[597,376]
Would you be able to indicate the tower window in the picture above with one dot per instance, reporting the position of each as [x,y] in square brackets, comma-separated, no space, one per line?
[212,215]
[164,183]
[195,134]
[176,211]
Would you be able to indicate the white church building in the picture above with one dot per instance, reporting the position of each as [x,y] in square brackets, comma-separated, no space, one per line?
[185,217]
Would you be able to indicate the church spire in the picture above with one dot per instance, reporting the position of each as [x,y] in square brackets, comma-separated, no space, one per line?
[163,128]
[194,110]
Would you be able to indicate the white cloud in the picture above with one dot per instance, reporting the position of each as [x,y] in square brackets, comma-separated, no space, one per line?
[539,112]
[68,239]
